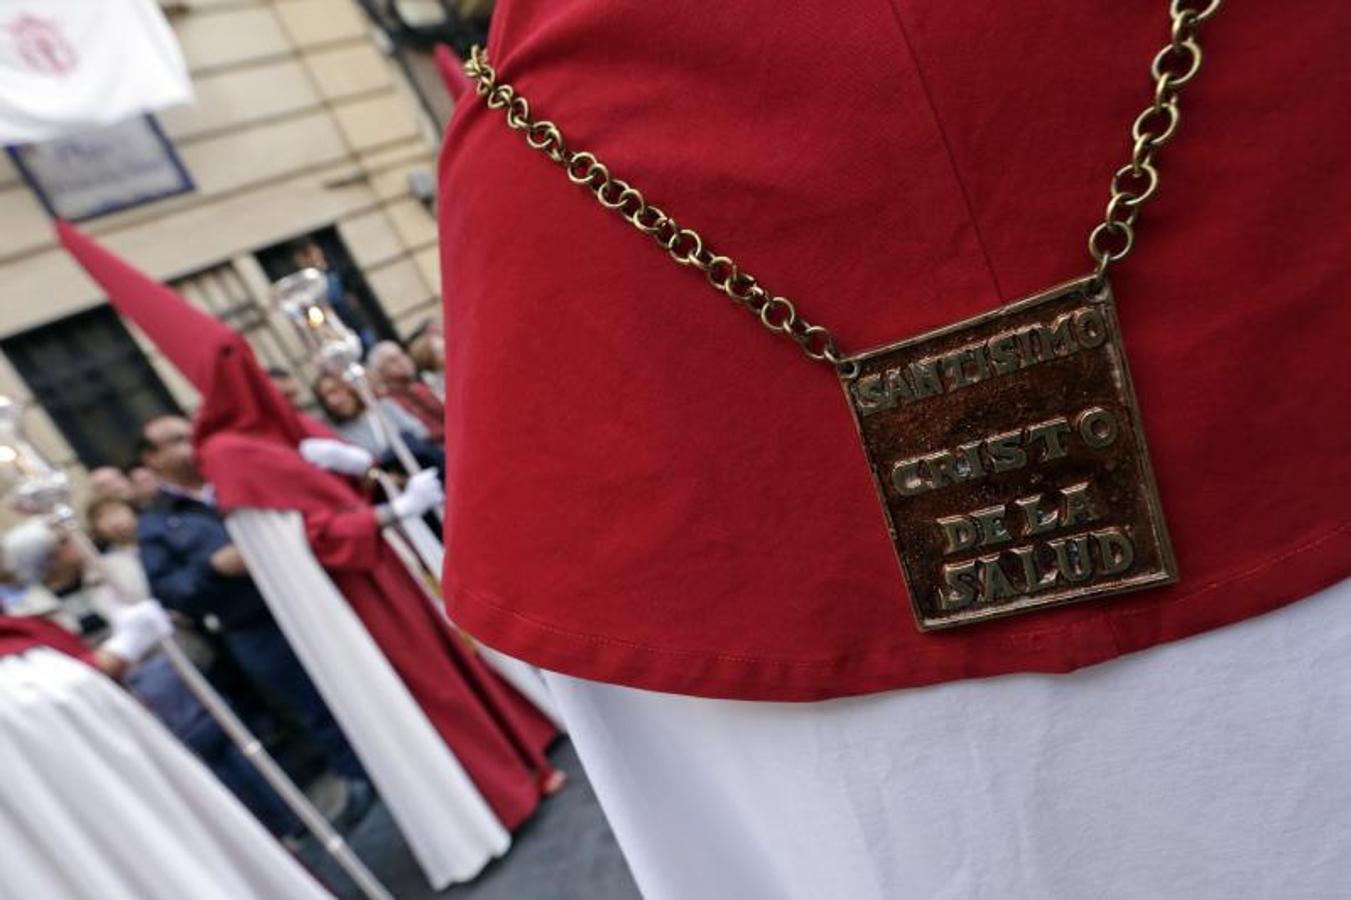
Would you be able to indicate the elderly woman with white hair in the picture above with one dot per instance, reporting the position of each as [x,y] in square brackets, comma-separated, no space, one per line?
[398,376]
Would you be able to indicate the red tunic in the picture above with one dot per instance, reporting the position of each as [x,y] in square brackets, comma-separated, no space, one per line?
[246,434]
[647,488]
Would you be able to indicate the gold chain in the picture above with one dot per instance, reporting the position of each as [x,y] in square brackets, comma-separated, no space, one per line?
[685,245]
[1176,64]
[1111,240]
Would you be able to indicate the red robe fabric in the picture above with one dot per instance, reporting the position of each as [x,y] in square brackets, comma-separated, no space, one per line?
[19,634]
[647,488]
[495,733]
[245,435]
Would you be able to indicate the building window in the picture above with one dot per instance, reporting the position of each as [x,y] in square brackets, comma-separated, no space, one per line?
[422,24]
[351,297]
[94,382]
[414,28]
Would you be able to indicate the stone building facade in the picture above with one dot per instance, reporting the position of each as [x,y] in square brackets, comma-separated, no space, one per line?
[304,125]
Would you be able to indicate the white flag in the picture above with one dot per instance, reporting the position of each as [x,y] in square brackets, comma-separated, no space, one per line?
[70,65]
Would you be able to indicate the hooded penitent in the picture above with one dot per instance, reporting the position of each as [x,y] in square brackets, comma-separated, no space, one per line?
[27,550]
[286,515]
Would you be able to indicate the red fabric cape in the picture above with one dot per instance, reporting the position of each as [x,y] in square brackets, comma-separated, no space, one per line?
[245,435]
[18,634]
[646,488]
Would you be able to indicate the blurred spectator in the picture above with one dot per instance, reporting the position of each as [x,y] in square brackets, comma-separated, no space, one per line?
[399,376]
[49,565]
[112,522]
[427,348]
[145,484]
[110,481]
[194,568]
[358,425]
[287,383]
[113,525]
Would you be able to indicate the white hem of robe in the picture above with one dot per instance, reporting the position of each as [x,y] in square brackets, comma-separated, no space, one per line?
[98,801]
[1213,767]
[450,828]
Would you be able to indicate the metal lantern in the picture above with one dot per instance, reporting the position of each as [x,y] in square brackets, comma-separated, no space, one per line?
[302,298]
[32,485]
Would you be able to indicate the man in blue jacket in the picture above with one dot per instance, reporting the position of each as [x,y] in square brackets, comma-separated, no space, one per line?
[195,569]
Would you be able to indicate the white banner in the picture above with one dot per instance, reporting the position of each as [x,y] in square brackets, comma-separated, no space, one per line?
[70,65]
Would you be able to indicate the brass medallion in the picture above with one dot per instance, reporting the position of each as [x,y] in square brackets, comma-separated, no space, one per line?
[1009,458]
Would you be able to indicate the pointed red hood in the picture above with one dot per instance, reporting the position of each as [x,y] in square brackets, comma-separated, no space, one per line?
[452,72]
[236,393]
[246,431]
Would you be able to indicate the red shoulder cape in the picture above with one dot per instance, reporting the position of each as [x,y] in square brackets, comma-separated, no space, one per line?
[18,634]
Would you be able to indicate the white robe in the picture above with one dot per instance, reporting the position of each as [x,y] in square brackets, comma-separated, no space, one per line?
[98,801]
[1214,767]
[450,828]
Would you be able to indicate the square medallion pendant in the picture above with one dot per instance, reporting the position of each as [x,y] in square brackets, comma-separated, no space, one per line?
[1009,458]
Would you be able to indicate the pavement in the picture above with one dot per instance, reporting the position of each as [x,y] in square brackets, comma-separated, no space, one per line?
[566,852]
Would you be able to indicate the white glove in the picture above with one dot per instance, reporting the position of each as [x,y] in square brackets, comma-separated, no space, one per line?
[336,456]
[422,493]
[136,629]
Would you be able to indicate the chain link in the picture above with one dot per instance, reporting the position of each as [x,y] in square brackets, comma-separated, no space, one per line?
[1111,240]
[1175,65]
[684,245]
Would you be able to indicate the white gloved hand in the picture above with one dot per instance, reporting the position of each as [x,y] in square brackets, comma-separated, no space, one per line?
[136,629]
[422,493]
[336,456]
